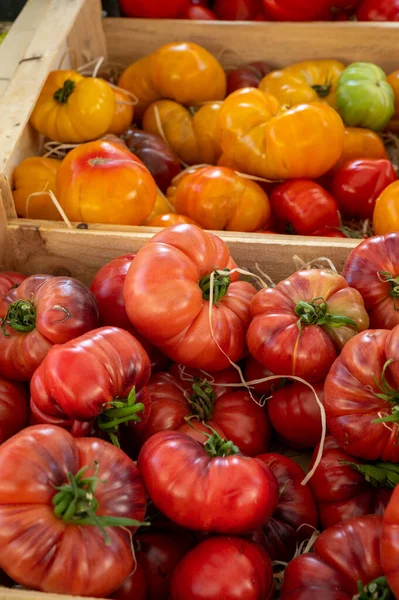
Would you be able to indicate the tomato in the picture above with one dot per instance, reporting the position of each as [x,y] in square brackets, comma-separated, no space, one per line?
[42,311]
[72,108]
[256,133]
[358,183]
[253,371]
[237,10]
[124,112]
[153,9]
[393,80]
[161,207]
[389,543]
[248,76]
[32,175]
[207,488]
[295,516]
[199,13]
[373,268]
[295,415]
[377,10]
[359,399]
[183,72]
[364,97]
[134,586]
[361,143]
[172,288]
[303,207]
[341,491]
[169,219]
[9,280]
[386,211]
[13,409]
[345,560]
[92,173]
[299,326]
[219,198]
[190,132]
[224,567]
[296,10]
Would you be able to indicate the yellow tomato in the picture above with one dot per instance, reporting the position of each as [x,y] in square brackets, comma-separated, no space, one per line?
[72,108]
[386,211]
[393,80]
[124,113]
[161,207]
[33,175]
[360,143]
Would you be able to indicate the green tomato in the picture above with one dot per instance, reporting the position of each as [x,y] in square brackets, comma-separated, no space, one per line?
[364,97]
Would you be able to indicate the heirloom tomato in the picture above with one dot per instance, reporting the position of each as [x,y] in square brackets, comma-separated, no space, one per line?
[191,132]
[303,207]
[297,10]
[254,371]
[161,207]
[248,76]
[153,9]
[360,143]
[208,487]
[344,565]
[295,516]
[361,397]
[168,219]
[299,326]
[9,280]
[386,211]
[13,409]
[237,10]
[181,71]
[344,487]
[67,512]
[372,268]
[227,568]
[219,198]
[124,112]
[33,175]
[389,543]
[102,182]
[304,82]
[42,311]
[263,138]
[168,284]
[393,80]
[199,13]
[378,10]
[72,108]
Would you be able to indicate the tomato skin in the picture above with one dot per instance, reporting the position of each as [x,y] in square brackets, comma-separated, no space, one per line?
[389,543]
[169,219]
[248,76]
[134,586]
[9,280]
[31,532]
[13,409]
[253,371]
[358,183]
[199,13]
[386,211]
[237,10]
[296,10]
[303,206]
[232,494]
[153,9]
[33,175]
[224,567]
[360,143]
[375,10]
[64,309]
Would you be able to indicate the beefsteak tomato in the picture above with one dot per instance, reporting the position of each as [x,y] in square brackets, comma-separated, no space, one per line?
[10,280]
[386,211]
[14,409]
[33,175]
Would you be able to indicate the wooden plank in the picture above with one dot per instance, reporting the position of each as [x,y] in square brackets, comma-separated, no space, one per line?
[16,594]
[277,43]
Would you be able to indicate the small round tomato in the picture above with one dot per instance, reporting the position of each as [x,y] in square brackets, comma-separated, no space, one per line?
[13,409]
[169,219]
[199,13]
[360,143]
[378,10]
[249,76]
[153,9]
[386,211]
[237,10]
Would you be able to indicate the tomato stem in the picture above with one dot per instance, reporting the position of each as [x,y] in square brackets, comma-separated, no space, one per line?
[201,401]
[119,411]
[316,313]
[388,394]
[377,589]
[62,94]
[221,282]
[322,90]
[387,277]
[377,474]
[21,316]
[218,446]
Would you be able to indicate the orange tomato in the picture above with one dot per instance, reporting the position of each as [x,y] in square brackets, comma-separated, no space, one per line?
[386,211]
[218,198]
[184,72]
[262,138]
[124,112]
[191,133]
[161,207]
[33,175]
[169,219]
[102,182]
[393,80]
[360,143]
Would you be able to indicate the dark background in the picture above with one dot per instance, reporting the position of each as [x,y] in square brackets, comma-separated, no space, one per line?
[10,9]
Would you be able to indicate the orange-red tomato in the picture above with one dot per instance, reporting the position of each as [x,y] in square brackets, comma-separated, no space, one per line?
[124,112]
[360,143]
[386,211]
[102,182]
[393,80]
[169,219]
[32,175]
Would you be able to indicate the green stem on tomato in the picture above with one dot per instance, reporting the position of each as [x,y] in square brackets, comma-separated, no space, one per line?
[62,94]
[378,589]
[119,411]
[221,282]
[378,474]
[202,399]
[387,277]
[316,313]
[21,316]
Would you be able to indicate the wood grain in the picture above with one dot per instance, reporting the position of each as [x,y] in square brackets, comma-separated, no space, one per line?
[12,594]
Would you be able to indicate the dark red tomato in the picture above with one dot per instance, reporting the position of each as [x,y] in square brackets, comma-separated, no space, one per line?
[155,154]
[358,183]
[237,10]
[390,543]
[378,10]
[260,17]
[333,232]
[200,3]
[199,13]
[9,280]
[295,517]
[208,488]
[303,207]
[153,9]
[342,492]
[295,414]
[343,555]
[225,568]
[253,371]
[135,586]
[297,10]
[40,312]
[13,409]
[344,5]
[248,76]
[6,581]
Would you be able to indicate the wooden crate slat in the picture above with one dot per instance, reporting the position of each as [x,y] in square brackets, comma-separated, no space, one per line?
[16,594]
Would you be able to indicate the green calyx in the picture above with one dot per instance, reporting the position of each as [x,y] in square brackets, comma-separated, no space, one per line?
[121,410]
[202,399]
[322,90]
[388,394]
[62,94]
[316,313]
[379,475]
[377,589]
[218,446]
[221,282]
[21,316]
[75,503]
[387,277]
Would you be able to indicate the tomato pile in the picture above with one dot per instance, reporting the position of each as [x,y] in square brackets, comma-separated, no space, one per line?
[146,425]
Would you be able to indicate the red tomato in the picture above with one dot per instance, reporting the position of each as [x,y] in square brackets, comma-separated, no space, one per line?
[225,568]
[153,9]
[299,326]
[330,232]
[389,543]
[13,409]
[297,10]
[134,586]
[52,542]
[295,517]
[343,555]
[342,492]
[372,268]
[200,3]
[199,13]
[237,10]
[207,488]
[95,374]
[358,183]
[40,312]
[360,396]
[171,288]
[248,76]
[378,10]
[9,280]
[295,415]
[302,206]
[253,371]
